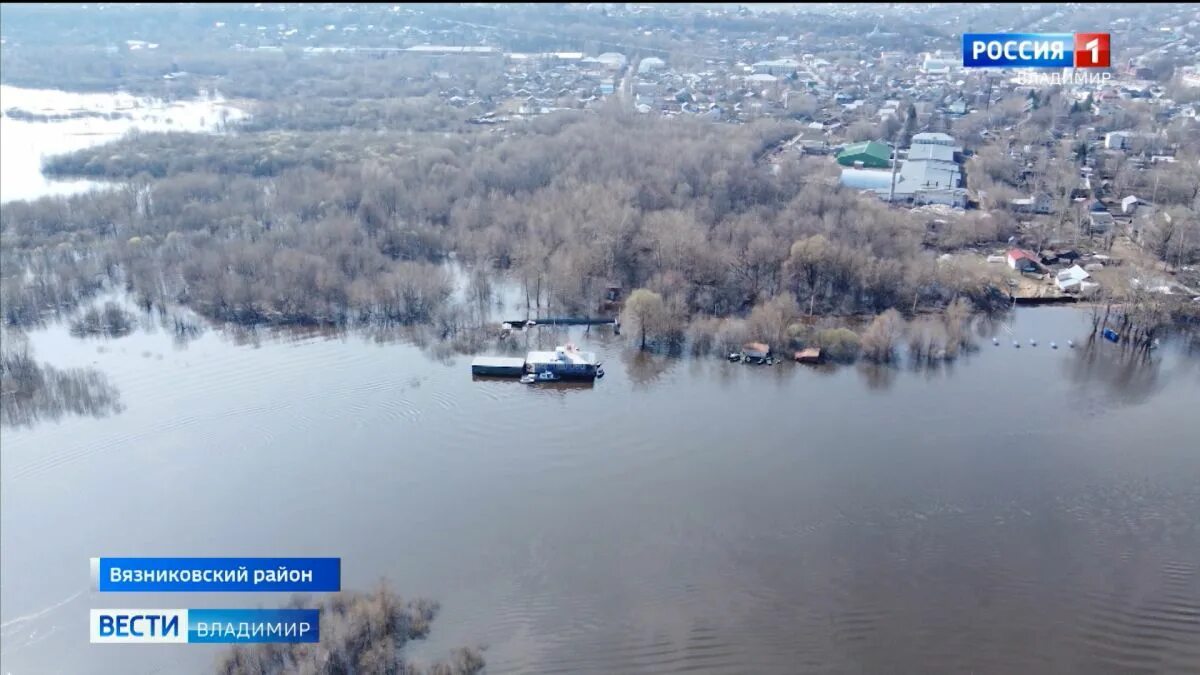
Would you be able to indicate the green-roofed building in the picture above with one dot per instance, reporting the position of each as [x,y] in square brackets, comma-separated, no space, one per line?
[872,154]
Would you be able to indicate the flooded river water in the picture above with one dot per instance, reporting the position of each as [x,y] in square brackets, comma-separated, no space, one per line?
[1025,510]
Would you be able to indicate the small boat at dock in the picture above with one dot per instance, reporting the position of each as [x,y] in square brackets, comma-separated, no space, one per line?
[544,376]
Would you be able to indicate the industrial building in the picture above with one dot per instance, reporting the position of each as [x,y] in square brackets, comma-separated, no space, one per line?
[868,154]
[929,174]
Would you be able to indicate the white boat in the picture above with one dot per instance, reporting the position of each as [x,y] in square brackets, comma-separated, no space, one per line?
[544,376]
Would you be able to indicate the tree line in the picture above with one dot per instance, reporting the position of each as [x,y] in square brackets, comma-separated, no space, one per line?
[335,228]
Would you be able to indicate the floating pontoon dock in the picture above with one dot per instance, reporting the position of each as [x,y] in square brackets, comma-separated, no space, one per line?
[563,321]
[502,366]
[566,362]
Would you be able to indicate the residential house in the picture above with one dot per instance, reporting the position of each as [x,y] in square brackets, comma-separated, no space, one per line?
[1071,279]
[1022,260]
[810,355]
[1099,222]
[1040,203]
[756,351]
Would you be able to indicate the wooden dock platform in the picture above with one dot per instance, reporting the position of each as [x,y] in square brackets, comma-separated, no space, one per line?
[563,321]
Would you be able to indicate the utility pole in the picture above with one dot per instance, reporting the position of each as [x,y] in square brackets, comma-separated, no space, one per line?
[895,166]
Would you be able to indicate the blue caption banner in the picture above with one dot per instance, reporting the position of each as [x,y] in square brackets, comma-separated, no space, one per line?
[184,626]
[253,625]
[172,575]
[1018,50]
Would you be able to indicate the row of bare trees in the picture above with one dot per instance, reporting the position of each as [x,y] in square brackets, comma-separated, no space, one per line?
[313,228]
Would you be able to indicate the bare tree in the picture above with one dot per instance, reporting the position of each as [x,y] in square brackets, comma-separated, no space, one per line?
[646,312]
[881,337]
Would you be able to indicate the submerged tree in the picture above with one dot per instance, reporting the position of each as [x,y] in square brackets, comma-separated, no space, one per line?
[30,391]
[881,337]
[646,311]
[360,633]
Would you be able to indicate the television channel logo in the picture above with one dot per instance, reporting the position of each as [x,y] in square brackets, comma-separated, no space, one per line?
[1037,50]
[191,626]
[139,626]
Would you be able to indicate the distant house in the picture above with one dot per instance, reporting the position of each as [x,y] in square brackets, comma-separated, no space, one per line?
[1068,256]
[756,350]
[1021,260]
[1115,140]
[1100,222]
[810,355]
[937,64]
[1039,203]
[776,67]
[1071,279]
[872,154]
[1074,280]
[651,64]
[1122,140]
[1129,203]
[612,60]
[933,138]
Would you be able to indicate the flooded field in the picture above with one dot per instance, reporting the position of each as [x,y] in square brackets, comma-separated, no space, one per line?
[39,123]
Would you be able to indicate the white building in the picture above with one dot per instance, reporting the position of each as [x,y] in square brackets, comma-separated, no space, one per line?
[934,138]
[1071,279]
[936,64]
[612,60]
[651,64]
[1189,76]
[776,67]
